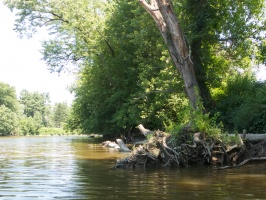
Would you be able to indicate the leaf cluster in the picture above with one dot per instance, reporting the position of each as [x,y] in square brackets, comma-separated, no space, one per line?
[241,104]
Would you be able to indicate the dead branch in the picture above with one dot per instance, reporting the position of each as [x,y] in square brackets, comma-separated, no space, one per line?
[243,163]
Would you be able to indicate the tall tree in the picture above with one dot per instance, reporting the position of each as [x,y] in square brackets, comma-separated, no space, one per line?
[35,104]
[216,32]
[162,11]
[8,110]
[136,85]
[8,121]
[8,97]
[61,111]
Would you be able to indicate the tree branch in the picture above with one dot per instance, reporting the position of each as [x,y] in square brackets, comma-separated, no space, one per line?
[150,8]
[145,5]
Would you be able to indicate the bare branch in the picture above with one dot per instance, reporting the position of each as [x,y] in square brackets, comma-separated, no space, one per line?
[150,8]
[145,5]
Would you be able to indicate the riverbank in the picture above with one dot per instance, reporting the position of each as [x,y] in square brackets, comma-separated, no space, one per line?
[163,150]
[47,135]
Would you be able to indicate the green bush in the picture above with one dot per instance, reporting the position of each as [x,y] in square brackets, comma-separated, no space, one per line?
[28,126]
[197,121]
[52,131]
[242,104]
[8,121]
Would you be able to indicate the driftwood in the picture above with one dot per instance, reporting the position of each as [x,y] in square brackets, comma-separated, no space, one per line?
[119,144]
[144,131]
[243,163]
[252,137]
[140,142]
[122,146]
[110,144]
[162,150]
[95,136]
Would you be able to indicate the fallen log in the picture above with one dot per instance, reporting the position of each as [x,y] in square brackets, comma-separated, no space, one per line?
[122,146]
[110,144]
[242,163]
[94,136]
[140,142]
[251,137]
[144,131]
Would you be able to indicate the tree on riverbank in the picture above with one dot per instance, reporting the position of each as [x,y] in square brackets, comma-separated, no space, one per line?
[127,76]
[8,110]
[30,113]
[8,97]
[61,111]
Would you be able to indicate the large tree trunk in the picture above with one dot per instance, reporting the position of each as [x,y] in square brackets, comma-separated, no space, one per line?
[200,72]
[163,14]
[200,27]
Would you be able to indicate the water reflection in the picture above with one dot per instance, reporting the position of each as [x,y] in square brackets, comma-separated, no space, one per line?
[74,168]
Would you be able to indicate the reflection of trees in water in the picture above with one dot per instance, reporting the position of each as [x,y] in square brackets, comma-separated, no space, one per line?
[97,179]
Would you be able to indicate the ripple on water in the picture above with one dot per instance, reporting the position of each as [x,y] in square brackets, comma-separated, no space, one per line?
[50,168]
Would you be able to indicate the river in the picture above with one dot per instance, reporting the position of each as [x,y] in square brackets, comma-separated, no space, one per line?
[64,167]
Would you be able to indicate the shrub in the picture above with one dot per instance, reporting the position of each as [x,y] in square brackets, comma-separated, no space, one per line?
[52,131]
[242,104]
[8,121]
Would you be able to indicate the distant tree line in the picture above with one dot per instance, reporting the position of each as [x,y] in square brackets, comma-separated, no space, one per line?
[30,114]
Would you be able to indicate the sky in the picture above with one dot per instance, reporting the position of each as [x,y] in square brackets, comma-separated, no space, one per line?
[21,66]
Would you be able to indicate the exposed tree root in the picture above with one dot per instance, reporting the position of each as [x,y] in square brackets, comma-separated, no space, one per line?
[162,150]
[243,163]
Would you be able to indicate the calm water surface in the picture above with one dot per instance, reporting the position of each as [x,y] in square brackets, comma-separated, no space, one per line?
[68,168]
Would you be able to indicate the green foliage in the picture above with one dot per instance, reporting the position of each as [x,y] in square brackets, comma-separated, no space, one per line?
[75,27]
[30,114]
[8,121]
[231,140]
[30,125]
[34,102]
[205,124]
[242,104]
[196,121]
[8,97]
[223,36]
[136,84]
[61,111]
[35,106]
[104,92]
[52,131]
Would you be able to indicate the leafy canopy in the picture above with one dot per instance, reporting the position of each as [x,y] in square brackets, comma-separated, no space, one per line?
[126,76]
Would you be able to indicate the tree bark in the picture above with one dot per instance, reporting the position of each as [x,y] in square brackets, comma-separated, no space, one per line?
[163,14]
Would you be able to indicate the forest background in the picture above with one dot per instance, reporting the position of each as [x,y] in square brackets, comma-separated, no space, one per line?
[126,76]
[30,114]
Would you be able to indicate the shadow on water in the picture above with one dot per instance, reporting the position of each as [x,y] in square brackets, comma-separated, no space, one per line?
[189,183]
[77,168]
[186,183]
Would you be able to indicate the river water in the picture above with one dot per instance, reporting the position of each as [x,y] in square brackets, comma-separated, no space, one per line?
[63,167]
